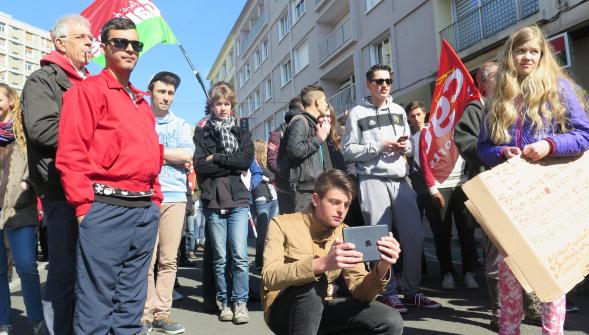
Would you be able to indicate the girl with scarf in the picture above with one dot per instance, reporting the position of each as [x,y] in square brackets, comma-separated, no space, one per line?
[536,111]
[223,151]
[18,216]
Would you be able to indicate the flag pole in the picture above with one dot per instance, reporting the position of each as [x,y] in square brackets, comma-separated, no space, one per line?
[196,74]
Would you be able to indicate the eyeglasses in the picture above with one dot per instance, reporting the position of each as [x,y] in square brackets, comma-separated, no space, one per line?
[79,37]
[122,43]
[382,81]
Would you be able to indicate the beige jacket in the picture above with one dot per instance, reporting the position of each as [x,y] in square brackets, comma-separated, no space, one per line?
[20,206]
[292,242]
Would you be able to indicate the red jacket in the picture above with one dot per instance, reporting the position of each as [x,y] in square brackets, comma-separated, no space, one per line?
[107,138]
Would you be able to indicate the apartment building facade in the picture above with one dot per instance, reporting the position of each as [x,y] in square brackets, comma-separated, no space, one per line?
[279,46]
[21,48]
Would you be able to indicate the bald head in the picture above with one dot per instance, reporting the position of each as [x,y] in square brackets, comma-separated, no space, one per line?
[485,78]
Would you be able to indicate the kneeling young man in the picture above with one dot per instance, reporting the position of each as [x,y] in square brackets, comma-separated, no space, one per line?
[308,269]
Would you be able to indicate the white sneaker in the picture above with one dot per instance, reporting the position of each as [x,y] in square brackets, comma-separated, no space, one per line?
[469,281]
[5,329]
[448,282]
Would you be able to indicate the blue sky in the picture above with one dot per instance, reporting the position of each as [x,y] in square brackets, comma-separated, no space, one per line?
[201,26]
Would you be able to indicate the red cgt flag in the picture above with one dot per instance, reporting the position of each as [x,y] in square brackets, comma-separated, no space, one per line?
[455,88]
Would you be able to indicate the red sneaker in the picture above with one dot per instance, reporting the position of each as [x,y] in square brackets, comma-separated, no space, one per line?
[395,303]
[421,301]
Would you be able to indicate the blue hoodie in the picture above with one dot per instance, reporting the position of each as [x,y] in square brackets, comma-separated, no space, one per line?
[174,133]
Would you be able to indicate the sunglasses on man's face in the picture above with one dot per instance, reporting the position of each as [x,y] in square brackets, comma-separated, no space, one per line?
[122,43]
[382,81]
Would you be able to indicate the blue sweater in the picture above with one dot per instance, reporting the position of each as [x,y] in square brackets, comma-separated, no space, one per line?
[174,133]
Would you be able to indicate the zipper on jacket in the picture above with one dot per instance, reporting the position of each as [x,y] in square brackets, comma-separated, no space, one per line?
[520,122]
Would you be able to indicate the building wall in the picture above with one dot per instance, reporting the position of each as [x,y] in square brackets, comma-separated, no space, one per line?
[413,29]
[21,48]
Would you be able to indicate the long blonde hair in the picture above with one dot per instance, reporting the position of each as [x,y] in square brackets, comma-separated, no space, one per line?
[539,90]
[261,153]
[16,116]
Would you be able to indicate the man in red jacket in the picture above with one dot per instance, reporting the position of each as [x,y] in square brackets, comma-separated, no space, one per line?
[109,158]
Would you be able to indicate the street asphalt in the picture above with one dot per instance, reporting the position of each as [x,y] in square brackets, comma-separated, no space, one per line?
[465,311]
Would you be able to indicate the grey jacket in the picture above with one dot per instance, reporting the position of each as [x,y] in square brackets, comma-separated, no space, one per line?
[367,126]
[41,103]
[303,149]
[20,206]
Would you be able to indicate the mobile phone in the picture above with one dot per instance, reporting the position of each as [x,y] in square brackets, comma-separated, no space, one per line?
[403,138]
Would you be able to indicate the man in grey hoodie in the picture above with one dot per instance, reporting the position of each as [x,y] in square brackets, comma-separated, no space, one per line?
[376,139]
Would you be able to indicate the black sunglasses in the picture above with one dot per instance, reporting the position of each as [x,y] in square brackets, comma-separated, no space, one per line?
[122,43]
[382,81]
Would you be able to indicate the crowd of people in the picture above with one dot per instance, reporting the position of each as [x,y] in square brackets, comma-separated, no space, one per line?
[128,190]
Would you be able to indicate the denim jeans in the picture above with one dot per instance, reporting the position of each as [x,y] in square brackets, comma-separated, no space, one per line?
[265,210]
[23,243]
[229,232]
[195,227]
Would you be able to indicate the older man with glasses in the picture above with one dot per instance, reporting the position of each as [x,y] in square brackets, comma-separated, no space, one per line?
[41,104]
[376,139]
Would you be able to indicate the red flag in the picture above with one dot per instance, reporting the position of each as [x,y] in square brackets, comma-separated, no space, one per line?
[455,88]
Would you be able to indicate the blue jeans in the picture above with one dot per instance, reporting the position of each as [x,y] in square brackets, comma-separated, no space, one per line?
[229,232]
[265,210]
[195,227]
[23,243]
[62,236]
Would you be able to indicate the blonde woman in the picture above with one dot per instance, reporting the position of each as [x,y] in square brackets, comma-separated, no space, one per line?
[18,219]
[264,197]
[537,111]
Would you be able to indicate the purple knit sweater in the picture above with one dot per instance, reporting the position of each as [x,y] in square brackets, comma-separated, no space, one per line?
[571,143]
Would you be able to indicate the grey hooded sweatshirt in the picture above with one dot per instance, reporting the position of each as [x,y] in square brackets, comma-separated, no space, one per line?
[367,126]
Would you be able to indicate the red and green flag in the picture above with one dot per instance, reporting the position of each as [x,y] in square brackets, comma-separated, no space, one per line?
[151,26]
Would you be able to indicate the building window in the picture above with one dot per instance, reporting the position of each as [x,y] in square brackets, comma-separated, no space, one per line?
[380,53]
[29,66]
[29,37]
[229,60]
[246,72]
[371,4]
[268,88]
[2,43]
[256,59]
[301,57]
[264,50]
[2,27]
[247,106]
[29,52]
[268,128]
[285,72]
[298,9]
[283,26]
[240,79]
[257,99]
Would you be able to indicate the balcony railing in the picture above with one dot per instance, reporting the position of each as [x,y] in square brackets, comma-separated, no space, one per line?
[343,100]
[335,40]
[245,43]
[487,20]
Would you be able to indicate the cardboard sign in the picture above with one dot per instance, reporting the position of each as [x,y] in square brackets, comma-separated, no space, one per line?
[537,216]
